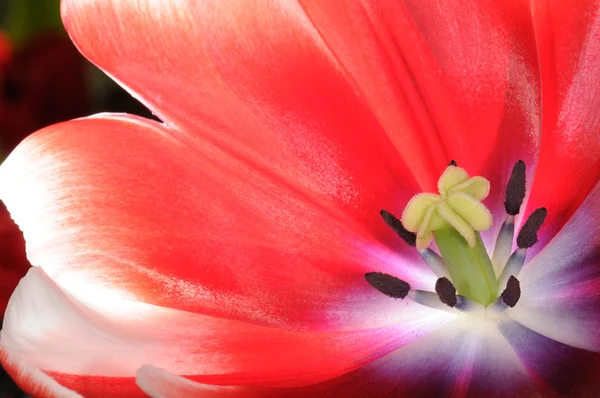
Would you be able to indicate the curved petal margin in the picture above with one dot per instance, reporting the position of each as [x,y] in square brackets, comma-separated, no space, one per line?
[30,379]
[158,383]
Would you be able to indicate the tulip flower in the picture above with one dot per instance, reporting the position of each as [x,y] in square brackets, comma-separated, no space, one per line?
[361,198]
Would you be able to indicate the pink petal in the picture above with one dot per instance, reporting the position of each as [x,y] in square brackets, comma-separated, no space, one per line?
[561,286]
[465,358]
[558,370]
[78,345]
[429,81]
[273,96]
[121,206]
[568,42]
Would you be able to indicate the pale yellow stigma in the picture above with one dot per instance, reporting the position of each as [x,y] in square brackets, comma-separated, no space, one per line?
[457,206]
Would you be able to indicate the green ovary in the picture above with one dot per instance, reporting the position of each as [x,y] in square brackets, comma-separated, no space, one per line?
[470,268]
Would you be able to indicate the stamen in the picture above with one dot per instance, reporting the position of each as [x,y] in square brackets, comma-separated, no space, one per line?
[431,258]
[388,284]
[509,297]
[515,194]
[407,236]
[397,288]
[445,299]
[446,291]
[452,163]
[513,266]
[527,237]
[528,234]
[447,294]
[504,243]
[435,262]
[429,299]
[515,191]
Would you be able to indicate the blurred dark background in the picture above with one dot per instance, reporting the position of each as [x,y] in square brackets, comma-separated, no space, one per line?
[43,77]
[43,80]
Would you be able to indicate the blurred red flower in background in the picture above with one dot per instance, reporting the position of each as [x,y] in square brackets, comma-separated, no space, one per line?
[43,82]
[13,262]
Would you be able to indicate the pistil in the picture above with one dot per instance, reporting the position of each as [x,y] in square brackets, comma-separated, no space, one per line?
[470,268]
[468,280]
[454,218]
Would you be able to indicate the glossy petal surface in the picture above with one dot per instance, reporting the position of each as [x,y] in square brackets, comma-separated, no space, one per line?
[569,164]
[264,82]
[434,94]
[452,78]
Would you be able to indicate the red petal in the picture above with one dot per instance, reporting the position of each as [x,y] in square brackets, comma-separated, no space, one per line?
[569,165]
[121,203]
[447,80]
[464,358]
[441,81]
[77,344]
[561,286]
[275,95]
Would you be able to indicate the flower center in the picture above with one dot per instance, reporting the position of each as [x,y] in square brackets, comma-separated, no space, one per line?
[468,278]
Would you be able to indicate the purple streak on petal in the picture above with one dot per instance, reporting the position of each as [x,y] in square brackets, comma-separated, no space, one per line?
[466,358]
[558,370]
[560,295]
